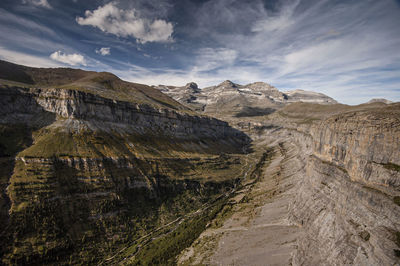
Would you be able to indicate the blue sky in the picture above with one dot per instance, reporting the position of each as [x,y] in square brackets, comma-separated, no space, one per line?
[349,50]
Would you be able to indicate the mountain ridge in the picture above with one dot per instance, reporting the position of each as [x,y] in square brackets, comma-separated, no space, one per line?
[228,97]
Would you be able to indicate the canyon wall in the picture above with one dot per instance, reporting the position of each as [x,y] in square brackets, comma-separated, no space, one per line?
[84,175]
[348,202]
[139,117]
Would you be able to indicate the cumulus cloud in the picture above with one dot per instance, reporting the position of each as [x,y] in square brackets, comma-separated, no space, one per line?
[70,59]
[103,51]
[111,19]
[39,3]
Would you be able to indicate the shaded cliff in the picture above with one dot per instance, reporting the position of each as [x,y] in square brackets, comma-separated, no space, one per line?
[89,163]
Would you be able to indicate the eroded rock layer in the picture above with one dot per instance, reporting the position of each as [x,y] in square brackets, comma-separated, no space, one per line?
[84,173]
[347,203]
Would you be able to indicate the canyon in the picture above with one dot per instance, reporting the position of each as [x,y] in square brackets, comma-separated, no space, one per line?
[96,170]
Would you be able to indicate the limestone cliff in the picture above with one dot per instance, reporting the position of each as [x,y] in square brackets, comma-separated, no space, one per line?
[348,201]
[90,163]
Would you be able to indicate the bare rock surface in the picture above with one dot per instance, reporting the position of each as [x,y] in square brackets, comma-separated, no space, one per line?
[266,237]
[335,200]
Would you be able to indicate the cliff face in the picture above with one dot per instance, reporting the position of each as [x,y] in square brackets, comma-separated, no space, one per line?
[140,118]
[88,168]
[348,203]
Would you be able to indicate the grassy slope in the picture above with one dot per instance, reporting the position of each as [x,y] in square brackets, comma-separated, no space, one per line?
[101,83]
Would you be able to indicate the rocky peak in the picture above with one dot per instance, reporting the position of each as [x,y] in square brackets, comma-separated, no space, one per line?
[192,87]
[260,86]
[227,83]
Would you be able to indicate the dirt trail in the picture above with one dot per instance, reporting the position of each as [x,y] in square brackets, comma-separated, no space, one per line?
[258,231]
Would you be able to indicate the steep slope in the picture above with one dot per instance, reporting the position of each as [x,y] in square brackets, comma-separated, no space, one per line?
[347,203]
[91,163]
[331,188]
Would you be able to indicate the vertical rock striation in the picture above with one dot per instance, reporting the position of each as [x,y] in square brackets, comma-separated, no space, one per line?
[347,203]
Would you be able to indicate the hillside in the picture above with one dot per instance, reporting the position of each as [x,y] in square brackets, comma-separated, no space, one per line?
[91,163]
[104,84]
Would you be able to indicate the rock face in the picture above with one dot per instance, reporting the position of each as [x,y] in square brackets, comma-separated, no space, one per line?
[138,118]
[347,203]
[190,94]
[89,163]
[230,99]
[337,169]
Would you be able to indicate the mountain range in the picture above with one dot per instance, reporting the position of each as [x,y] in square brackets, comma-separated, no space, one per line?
[228,98]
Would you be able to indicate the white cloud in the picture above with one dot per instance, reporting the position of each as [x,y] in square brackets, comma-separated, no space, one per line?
[70,59]
[110,19]
[103,51]
[345,50]
[39,3]
[25,59]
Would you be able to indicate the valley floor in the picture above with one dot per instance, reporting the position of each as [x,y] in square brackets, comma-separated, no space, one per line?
[256,230]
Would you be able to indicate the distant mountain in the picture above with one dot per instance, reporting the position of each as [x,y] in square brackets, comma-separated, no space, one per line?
[380,100]
[309,97]
[231,99]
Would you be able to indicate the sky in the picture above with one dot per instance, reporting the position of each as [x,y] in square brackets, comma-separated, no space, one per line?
[349,50]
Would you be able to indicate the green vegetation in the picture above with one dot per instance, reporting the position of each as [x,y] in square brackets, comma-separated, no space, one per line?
[392,167]
[254,111]
[53,220]
[344,170]
[14,138]
[365,235]
[259,168]
[396,200]
[81,196]
[163,251]
[397,241]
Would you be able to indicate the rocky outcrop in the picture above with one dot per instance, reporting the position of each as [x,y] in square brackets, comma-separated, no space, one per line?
[365,144]
[347,203]
[138,118]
